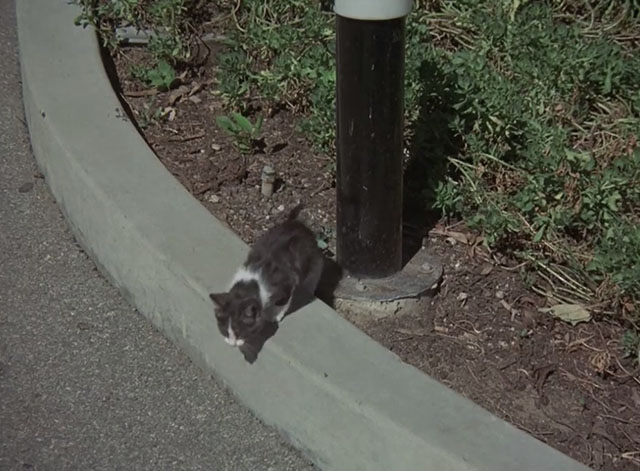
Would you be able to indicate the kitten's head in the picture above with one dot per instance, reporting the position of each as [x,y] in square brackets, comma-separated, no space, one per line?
[239,312]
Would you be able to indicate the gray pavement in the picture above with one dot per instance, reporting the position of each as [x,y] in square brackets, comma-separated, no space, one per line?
[86,382]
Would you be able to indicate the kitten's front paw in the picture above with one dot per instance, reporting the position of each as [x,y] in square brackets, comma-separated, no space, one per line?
[234,342]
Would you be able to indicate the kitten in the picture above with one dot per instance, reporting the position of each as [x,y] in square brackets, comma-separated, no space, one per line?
[283,260]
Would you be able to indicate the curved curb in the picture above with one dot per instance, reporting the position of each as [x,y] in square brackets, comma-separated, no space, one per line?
[346,400]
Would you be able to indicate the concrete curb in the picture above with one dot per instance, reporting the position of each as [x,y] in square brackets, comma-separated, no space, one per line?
[346,400]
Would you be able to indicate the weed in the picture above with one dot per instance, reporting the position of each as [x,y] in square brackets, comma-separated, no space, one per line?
[522,118]
[244,132]
[168,23]
[281,53]
[162,76]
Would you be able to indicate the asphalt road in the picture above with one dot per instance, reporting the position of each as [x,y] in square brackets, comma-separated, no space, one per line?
[86,383]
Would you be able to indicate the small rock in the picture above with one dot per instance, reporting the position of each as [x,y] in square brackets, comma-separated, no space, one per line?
[281,208]
[360,286]
[83,325]
[426,267]
[25,187]
[214,198]
[500,294]
[194,99]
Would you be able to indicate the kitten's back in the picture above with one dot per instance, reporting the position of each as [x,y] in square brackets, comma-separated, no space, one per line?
[286,251]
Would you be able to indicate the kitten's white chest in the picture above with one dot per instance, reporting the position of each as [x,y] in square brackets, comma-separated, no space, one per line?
[231,337]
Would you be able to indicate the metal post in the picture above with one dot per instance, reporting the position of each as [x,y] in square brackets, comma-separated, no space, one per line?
[370,117]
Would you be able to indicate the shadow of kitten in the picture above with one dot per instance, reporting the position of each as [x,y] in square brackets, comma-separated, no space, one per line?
[253,345]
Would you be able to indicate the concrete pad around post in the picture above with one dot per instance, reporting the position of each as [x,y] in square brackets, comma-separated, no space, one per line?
[405,292]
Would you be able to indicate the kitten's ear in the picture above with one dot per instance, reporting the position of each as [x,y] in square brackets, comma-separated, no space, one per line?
[218,300]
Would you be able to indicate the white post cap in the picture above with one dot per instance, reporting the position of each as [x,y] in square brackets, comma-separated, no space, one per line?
[373,9]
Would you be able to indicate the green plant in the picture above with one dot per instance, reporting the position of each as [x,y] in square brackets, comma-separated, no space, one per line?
[522,118]
[244,132]
[162,76]
[169,24]
[281,54]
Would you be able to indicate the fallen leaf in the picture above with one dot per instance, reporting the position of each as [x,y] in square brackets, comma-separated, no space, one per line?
[195,88]
[458,236]
[571,313]
[177,94]
[486,269]
[541,374]
[440,329]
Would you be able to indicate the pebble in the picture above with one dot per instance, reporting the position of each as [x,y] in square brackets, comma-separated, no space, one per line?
[360,286]
[281,208]
[214,198]
[25,187]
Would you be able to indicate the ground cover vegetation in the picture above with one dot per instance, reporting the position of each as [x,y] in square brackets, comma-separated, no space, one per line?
[522,118]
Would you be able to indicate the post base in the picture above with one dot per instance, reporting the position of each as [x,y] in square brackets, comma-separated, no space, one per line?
[404,291]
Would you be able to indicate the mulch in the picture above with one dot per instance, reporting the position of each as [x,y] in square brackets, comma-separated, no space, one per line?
[483,334]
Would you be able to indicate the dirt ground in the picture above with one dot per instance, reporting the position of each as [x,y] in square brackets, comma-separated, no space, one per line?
[483,334]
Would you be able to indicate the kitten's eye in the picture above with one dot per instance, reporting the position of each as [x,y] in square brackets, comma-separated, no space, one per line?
[281,297]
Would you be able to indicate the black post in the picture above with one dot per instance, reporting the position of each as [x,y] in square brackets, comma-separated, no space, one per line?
[370,115]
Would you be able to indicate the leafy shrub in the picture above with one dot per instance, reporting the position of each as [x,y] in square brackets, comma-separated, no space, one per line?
[522,118]
[281,53]
[168,22]
[241,129]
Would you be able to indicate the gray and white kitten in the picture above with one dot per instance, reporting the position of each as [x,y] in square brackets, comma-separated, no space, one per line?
[283,261]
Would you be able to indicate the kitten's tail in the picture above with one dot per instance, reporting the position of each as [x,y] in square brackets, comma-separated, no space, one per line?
[295,212]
